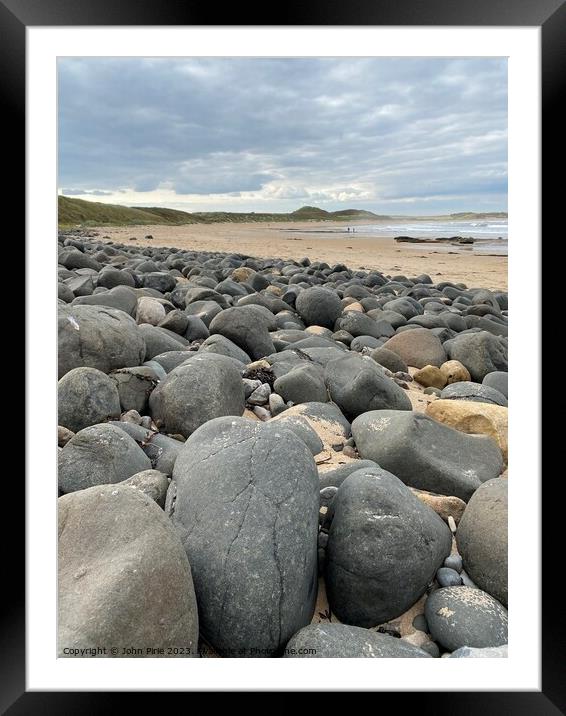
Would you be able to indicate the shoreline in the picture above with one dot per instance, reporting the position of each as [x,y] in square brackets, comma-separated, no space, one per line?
[442,263]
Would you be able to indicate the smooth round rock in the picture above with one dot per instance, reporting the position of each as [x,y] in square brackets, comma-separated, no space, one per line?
[247,513]
[417,347]
[384,548]
[99,455]
[462,616]
[481,353]
[318,306]
[340,641]
[124,577]
[482,538]
[204,387]
[86,396]
[447,577]
[498,381]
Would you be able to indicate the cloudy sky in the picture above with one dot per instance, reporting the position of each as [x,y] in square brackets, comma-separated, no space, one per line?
[393,135]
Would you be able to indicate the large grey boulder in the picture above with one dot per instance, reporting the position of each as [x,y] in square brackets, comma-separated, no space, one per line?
[224,346]
[318,306]
[482,538]
[86,396]
[417,347]
[303,384]
[480,352]
[498,381]
[474,392]
[205,386]
[124,578]
[357,384]
[464,616]
[247,328]
[384,548]
[99,455]
[97,337]
[342,641]
[247,511]
[425,453]
[160,449]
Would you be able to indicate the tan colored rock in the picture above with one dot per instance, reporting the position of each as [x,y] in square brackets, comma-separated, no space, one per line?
[242,273]
[473,418]
[355,306]
[249,415]
[275,290]
[317,331]
[454,371]
[445,506]
[430,376]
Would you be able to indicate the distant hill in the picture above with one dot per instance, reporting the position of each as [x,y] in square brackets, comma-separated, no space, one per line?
[78,212]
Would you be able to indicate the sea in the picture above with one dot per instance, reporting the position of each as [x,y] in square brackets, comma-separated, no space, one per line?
[491,234]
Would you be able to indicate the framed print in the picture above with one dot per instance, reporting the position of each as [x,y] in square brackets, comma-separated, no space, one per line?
[281,250]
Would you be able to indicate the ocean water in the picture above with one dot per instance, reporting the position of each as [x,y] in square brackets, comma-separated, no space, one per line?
[491,233]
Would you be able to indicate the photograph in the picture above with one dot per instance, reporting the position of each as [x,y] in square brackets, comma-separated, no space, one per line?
[282,356]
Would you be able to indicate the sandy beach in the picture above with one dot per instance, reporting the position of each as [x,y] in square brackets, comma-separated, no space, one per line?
[295,240]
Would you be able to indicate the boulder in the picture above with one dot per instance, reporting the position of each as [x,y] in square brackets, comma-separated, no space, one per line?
[151,483]
[99,455]
[304,384]
[97,337]
[430,377]
[339,641]
[466,390]
[86,396]
[417,347]
[473,418]
[390,360]
[426,454]
[247,511]
[482,538]
[205,386]
[498,381]
[247,328]
[480,352]
[384,548]
[318,306]
[454,372]
[124,578]
[356,384]
[464,616]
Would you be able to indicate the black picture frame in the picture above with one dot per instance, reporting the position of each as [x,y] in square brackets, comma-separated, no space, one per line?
[550,16]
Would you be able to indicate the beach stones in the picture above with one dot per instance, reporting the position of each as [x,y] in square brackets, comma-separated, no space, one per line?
[150,310]
[134,386]
[480,352]
[475,392]
[498,381]
[473,418]
[390,360]
[97,337]
[86,396]
[463,616]
[488,652]
[417,347]
[356,384]
[245,327]
[204,387]
[318,306]
[430,377]
[99,455]
[124,577]
[454,372]
[482,538]
[384,548]
[358,324]
[247,513]
[426,454]
[225,347]
[303,384]
[335,641]
[151,483]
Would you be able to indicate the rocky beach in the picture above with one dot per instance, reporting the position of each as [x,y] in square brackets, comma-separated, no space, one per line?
[295,449]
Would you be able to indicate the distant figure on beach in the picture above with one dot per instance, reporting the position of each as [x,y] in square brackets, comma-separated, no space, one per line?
[348,229]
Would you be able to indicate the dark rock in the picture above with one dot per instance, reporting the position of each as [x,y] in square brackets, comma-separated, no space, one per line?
[481,353]
[204,387]
[498,381]
[224,346]
[482,538]
[97,337]
[247,512]
[426,454]
[390,360]
[318,306]
[245,327]
[86,396]
[99,455]
[356,384]
[384,548]
[462,616]
[359,324]
[160,449]
[335,477]
[159,340]
[466,390]
[124,578]
[303,384]
[134,386]
[335,641]
[454,561]
[447,577]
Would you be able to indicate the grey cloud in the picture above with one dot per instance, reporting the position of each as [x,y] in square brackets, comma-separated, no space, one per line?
[384,128]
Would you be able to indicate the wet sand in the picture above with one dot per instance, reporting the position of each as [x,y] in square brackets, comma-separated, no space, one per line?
[295,240]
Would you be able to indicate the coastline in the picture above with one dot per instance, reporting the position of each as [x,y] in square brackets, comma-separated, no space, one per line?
[293,240]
